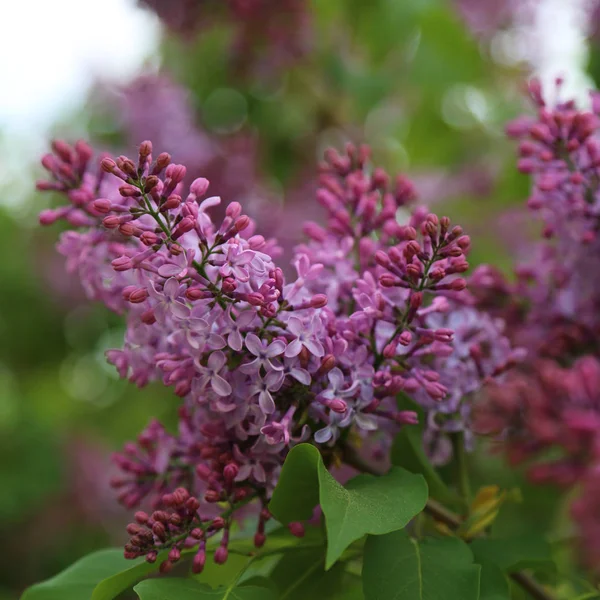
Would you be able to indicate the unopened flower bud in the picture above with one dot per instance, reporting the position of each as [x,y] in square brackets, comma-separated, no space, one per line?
[129,191]
[176,173]
[221,554]
[162,161]
[318,301]
[212,496]
[387,280]
[406,417]
[165,567]
[199,562]
[296,529]
[174,555]
[241,223]
[230,472]
[405,338]
[123,263]
[327,363]
[148,317]
[390,350]
[150,183]
[382,259]
[138,296]
[338,405]
[111,222]
[233,210]
[108,165]
[199,186]
[149,238]
[196,293]
[141,517]
[102,205]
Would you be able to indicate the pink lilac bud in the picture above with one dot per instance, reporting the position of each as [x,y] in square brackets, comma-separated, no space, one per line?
[406,417]
[221,554]
[123,263]
[230,472]
[102,205]
[199,561]
[138,295]
[297,529]
[149,238]
[318,301]
[111,222]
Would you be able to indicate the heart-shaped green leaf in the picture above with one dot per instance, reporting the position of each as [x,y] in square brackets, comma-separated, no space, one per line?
[397,567]
[366,505]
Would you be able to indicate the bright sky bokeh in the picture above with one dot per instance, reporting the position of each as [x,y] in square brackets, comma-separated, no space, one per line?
[53,50]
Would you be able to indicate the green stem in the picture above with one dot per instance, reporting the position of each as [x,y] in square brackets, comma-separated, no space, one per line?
[462,470]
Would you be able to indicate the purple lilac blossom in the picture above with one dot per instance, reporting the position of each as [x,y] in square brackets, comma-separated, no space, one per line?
[262,364]
[552,309]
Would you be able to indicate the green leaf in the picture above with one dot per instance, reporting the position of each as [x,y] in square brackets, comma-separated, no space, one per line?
[368,504]
[493,584]
[78,581]
[301,575]
[513,554]
[297,492]
[397,567]
[111,587]
[188,589]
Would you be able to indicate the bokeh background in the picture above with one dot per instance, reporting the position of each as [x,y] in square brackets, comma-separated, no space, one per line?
[249,99]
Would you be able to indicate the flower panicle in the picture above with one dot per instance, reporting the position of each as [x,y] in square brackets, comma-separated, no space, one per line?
[261,361]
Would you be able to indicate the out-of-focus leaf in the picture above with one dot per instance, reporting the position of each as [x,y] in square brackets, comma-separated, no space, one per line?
[397,567]
[300,575]
[493,584]
[189,589]
[513,554]
[79,580]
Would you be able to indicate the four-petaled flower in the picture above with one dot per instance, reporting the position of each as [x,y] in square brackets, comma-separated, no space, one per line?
[304,335]
[211,374]
[236,263]
[168,300]
[236,325]
[263,386]
[264,353]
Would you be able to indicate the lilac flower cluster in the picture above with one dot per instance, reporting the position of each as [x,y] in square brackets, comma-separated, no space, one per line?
[552,408]
[277,29]
[261,362]
[552,308]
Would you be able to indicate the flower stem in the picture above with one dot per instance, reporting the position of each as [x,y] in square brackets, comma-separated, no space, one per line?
[462,471]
